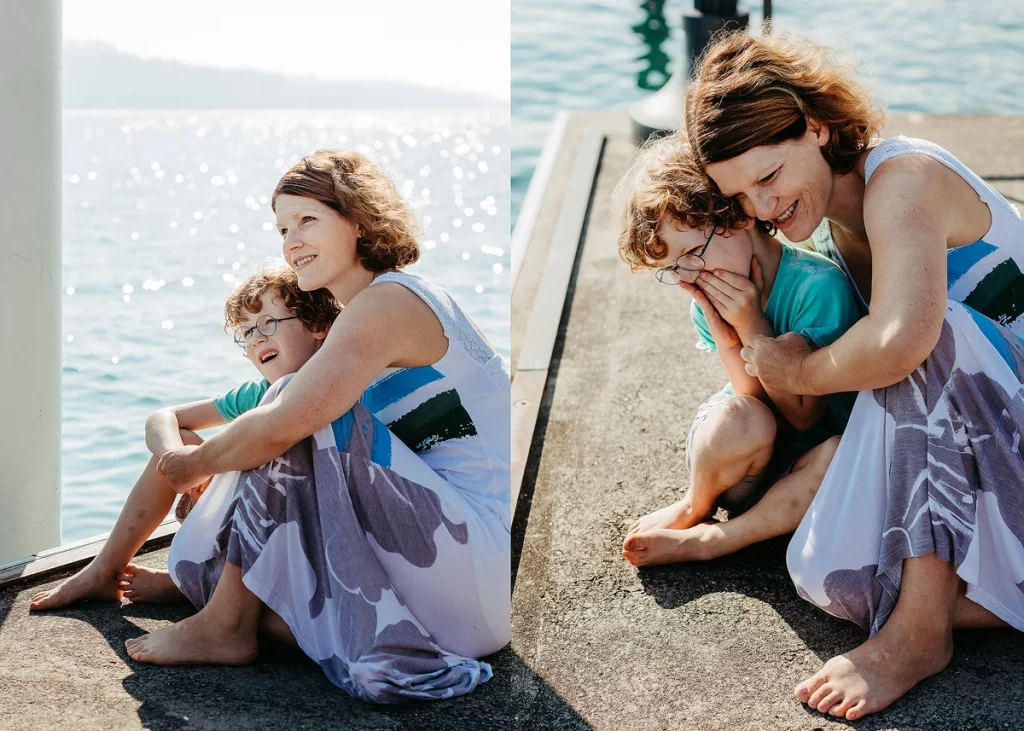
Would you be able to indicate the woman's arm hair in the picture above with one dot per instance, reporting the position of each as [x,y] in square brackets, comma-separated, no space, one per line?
[163,427]
[907,216]
[384,325]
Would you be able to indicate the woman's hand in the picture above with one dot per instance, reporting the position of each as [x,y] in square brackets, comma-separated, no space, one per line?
[178,466]
[737,299]
[778,362]
[724,334]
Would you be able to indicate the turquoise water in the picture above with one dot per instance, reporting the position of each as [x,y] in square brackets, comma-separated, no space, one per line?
[164,212]
[938,56]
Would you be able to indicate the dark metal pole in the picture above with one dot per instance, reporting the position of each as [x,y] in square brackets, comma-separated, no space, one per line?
[662,112]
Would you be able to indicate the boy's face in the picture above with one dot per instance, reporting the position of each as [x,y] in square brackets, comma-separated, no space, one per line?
[292,342]
[730,251]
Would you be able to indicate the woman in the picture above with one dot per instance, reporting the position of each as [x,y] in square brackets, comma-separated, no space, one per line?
[926,536]
[363,508]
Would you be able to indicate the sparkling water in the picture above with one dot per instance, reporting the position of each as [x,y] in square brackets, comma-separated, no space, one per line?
[935,56]
[164,212]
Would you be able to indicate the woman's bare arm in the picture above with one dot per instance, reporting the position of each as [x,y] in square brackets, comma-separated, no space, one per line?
[385,325]
[908,215]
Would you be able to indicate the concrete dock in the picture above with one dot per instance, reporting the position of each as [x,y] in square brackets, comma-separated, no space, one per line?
[718,645]
[68,669]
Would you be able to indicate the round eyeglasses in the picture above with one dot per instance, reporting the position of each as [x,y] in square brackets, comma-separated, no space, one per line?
[687,267]
[267,326]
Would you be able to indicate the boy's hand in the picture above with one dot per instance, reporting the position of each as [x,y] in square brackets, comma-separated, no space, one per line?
[178,466]
[724,334]
[737,299]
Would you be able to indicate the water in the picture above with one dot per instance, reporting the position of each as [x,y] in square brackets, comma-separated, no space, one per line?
[164,211]
[937,56]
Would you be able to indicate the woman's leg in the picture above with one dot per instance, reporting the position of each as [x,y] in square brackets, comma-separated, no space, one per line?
[915,643]
[146,507]
[732,444]
[777,513]
[223,633]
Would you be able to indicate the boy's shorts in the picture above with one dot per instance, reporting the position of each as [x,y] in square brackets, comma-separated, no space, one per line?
[740,498]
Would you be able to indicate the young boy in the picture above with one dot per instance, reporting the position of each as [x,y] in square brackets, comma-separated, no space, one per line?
[279,327]
[744,283]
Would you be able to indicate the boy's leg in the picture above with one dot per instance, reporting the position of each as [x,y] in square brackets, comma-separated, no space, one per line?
[143,585]
[732,443]
[777,513]
[147,505]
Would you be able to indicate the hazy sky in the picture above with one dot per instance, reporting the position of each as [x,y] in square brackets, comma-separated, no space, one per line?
[452,44]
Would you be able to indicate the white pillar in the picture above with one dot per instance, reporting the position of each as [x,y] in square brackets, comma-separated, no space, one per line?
[30,276]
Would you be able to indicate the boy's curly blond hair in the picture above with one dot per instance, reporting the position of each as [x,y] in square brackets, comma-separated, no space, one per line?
[665,179]
[316,309]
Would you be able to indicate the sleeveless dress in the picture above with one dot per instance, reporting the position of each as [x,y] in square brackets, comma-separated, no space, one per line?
[383,539]
[932,464]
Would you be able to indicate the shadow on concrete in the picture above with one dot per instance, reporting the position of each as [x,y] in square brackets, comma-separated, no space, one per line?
[536,704]
[286,690]
[758,572]
[982,688]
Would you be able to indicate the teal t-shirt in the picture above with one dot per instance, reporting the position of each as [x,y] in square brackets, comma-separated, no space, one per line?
[242,398]
[810,296]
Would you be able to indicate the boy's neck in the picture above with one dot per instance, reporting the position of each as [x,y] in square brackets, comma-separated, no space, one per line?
[768,251]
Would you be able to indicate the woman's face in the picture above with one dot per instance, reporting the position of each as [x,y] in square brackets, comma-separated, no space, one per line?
[730,251]
[788,184]
[318,243]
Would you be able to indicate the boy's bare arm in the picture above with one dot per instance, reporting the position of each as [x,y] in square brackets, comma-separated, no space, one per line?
[163,427]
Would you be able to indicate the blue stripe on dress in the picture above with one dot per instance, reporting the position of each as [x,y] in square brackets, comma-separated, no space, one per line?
[380,446]
[997,337]
[394,388]
[960,260]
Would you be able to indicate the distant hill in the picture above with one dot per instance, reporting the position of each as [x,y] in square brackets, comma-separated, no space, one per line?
[97,75]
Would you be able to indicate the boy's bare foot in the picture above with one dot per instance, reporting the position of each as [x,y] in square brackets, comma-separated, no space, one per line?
[677,516]
[702,542]
[874,675]
[145,585]
[196,640]
[91,583]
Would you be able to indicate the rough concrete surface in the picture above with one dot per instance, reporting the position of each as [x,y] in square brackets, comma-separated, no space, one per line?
[718,645]
[68,669]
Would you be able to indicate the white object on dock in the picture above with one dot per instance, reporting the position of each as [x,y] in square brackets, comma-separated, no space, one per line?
[30,276]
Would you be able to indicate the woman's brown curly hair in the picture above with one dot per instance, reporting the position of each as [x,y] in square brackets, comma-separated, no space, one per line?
[355,187]
[750,91]
[316,309]
[665,178]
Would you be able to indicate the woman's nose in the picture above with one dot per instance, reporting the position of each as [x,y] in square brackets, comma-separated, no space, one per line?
[764,207]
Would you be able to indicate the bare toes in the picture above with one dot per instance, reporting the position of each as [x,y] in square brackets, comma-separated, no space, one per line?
[857,711]
[634,543]
[825,704]
[805,689]
[839,710]
[819,695]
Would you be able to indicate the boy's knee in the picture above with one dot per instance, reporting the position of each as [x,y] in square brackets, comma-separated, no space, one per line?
[744,425]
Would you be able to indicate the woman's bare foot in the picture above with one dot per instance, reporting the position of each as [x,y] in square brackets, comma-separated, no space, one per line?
[872,676]
[702,542]
[144,585]
[91,583]
[196,640]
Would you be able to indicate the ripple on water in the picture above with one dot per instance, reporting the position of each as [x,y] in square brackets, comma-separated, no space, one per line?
[193,188]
